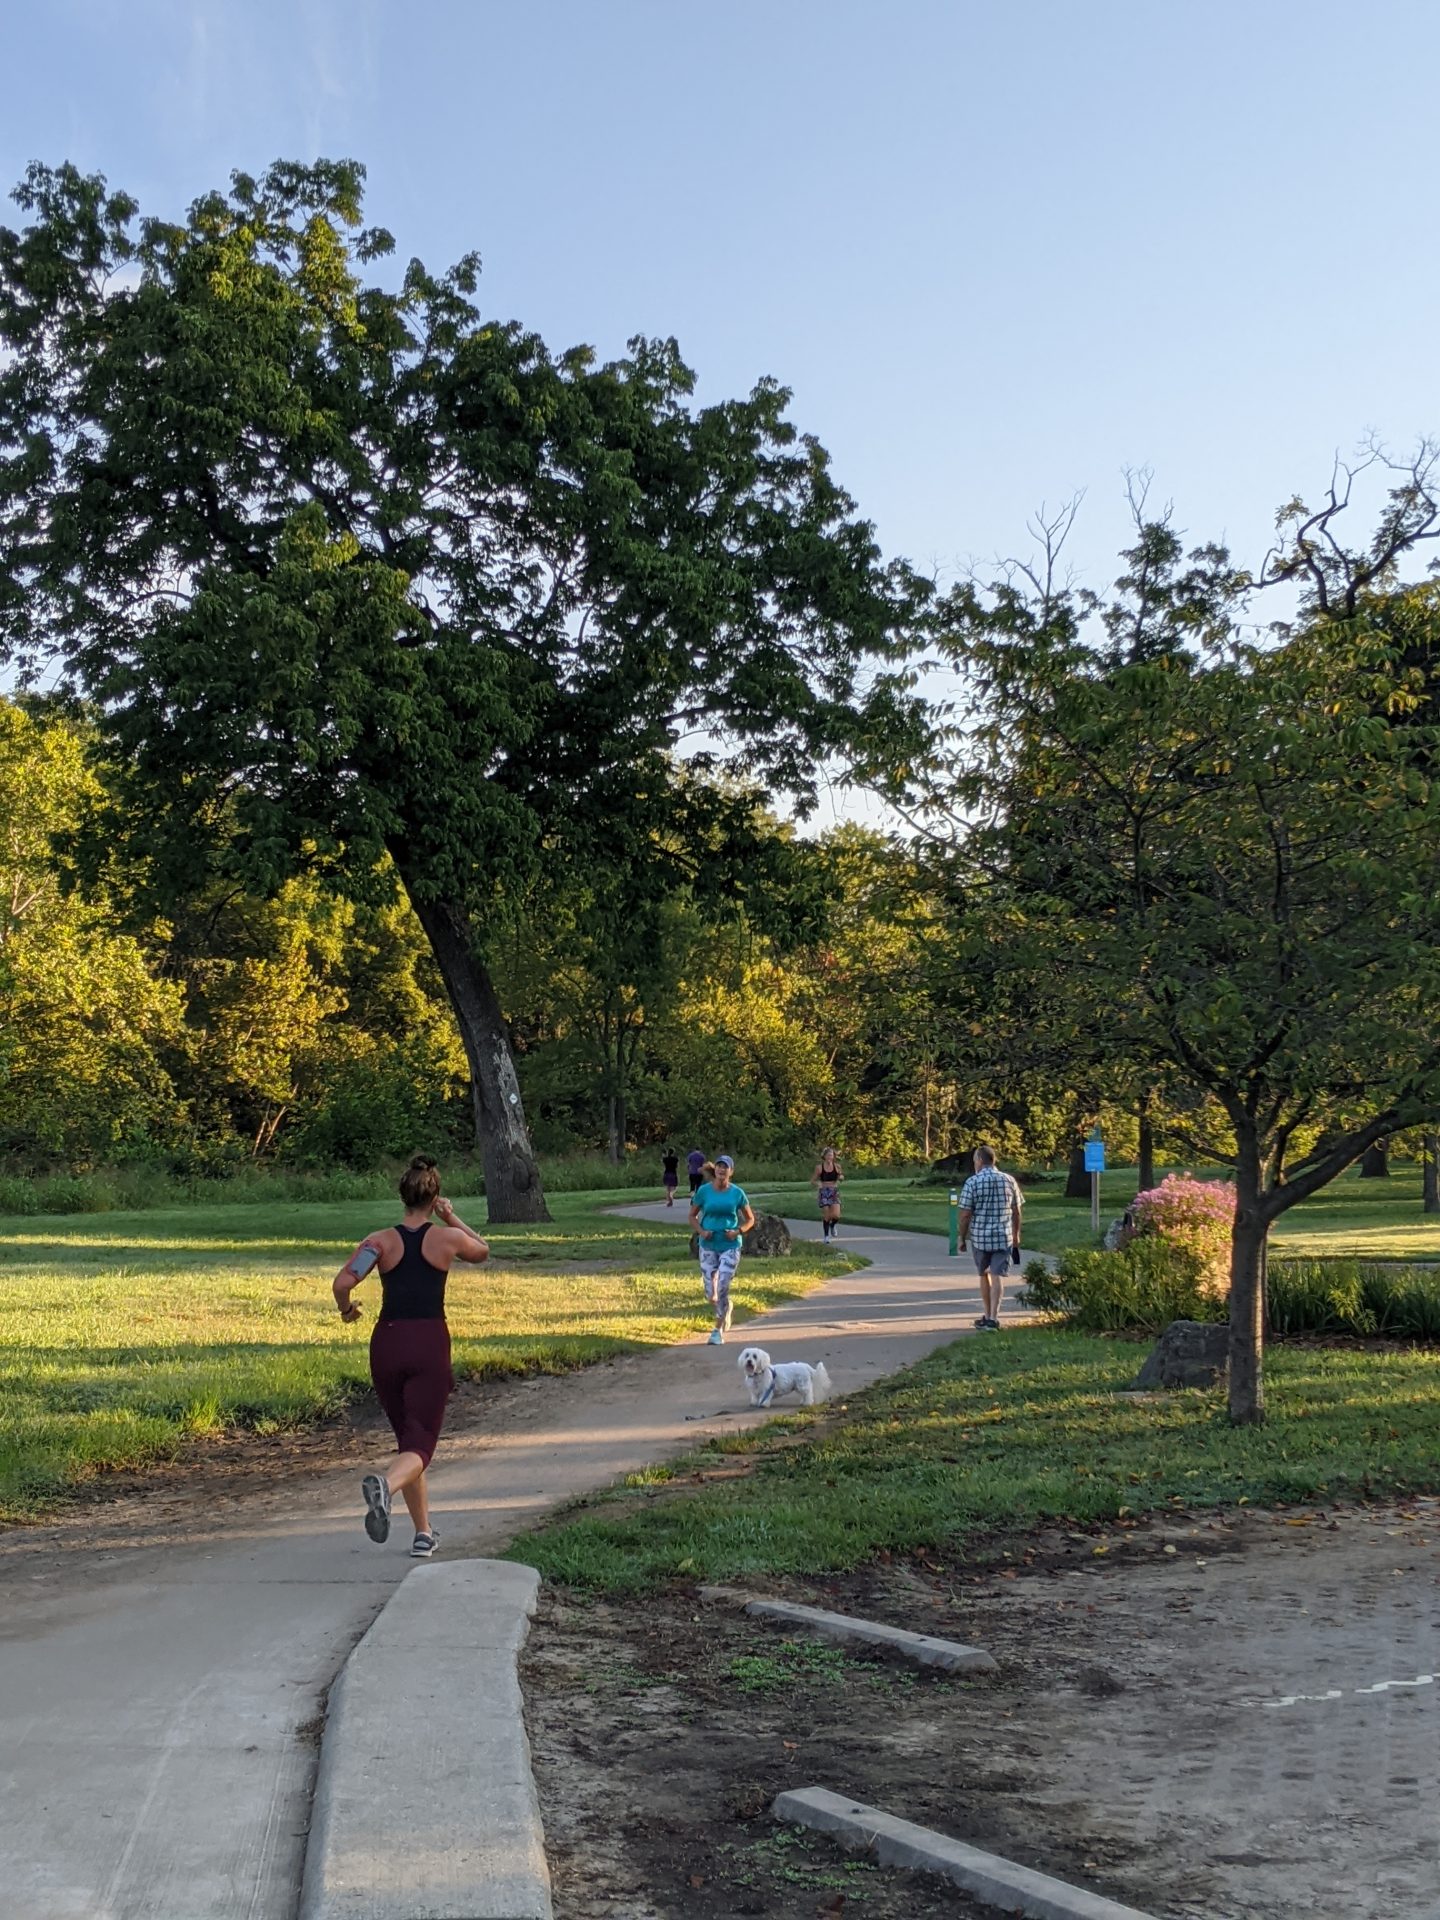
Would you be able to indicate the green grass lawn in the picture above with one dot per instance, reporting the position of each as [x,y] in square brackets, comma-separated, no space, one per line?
[1350,1219]
[997,1435]
[122,1334]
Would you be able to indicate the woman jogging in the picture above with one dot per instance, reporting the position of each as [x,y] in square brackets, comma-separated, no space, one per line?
[720,1213]
[410,1346]
[670,1160]
[826,1181]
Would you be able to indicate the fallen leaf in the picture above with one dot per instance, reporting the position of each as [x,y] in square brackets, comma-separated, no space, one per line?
[791,1746]
[1171,1549]
[697,1879]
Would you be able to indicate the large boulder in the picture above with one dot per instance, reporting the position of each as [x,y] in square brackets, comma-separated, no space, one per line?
[768,1237]
[1189,1353]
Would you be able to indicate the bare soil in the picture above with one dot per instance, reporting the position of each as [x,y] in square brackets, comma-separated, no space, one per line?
[1207,1718]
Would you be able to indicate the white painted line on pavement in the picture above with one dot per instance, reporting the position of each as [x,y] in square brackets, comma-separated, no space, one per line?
[1351,1693]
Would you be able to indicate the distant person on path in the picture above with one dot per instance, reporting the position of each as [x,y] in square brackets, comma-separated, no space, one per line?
[990,1208]
[695,1161]
[826,1181]
[671,1163]
[720,1213]
[410,1346]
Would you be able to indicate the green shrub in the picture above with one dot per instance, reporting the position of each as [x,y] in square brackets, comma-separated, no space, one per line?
[1147,1284]
[1402,1302]
[1143,1287]
[1316,1296]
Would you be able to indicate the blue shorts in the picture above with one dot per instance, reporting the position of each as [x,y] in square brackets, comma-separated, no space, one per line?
[992,1260]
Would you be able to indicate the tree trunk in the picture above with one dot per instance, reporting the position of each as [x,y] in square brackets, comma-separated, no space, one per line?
[1077,1184]
[1432,1173]
[1146,1169]
[1375,1161]
[512,1179]
[612,1132]
[1247,1291]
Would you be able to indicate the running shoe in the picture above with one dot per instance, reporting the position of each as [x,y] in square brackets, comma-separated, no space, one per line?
[717,1338]
[982,1321]
[376,1490]
[424,1545]
[992,1326]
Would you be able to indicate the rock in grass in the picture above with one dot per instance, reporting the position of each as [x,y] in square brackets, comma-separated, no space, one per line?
[1189,1353]
[768,1237]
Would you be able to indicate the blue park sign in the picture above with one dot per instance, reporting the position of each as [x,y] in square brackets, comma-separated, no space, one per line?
[1094,1156]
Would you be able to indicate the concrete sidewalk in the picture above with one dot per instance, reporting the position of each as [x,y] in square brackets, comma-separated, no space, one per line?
[159,1703]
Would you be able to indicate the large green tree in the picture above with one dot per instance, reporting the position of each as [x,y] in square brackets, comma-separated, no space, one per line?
[349,570]
[1217,866]
[86,1028]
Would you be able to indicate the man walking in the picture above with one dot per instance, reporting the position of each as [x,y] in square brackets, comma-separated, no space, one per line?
[990,1205]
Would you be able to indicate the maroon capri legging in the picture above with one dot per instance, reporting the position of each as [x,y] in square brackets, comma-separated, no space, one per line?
[410,1365]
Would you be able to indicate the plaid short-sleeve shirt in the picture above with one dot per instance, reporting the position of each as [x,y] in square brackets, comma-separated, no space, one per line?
[991,1197]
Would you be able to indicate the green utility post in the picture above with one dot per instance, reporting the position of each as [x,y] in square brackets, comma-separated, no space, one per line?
[954,1221]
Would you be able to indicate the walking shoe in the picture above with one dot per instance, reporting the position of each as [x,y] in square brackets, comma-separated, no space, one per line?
[424,1544]
[376,1490]
[982,1321]
[717,1338]
[991,1326]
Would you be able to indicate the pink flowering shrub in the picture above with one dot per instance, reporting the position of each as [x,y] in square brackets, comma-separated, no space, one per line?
[1194,1214]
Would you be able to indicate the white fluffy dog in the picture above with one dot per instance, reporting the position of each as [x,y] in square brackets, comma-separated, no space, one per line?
[791,1376]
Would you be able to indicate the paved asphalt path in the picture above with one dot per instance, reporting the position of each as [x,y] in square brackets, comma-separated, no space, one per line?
[160,1690]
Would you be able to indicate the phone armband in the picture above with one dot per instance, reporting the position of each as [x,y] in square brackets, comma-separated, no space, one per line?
[364,1262]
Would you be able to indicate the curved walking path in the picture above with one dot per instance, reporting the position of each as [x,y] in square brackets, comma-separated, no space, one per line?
[159,1702]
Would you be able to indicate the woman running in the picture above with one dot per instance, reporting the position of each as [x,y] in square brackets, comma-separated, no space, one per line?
[410,1347]
[671,1163]
[826,1181]
[720,1213]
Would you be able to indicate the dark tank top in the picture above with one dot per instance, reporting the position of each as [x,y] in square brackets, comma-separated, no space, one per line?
[412,1289]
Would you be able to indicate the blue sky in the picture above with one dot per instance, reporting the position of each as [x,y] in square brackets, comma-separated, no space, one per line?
[1001,252]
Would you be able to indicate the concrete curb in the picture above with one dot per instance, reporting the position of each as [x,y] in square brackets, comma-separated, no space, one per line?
[425,1808]
[920,1649]
[1012,1888]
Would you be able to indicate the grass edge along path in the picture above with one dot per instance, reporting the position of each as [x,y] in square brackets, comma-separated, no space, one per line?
[996,1436]
[123,1337]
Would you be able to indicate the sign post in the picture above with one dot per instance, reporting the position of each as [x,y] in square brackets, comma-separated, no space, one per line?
[1095,1166]
[954,1222]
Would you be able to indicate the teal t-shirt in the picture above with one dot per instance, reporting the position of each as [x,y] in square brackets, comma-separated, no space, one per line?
[719,1212]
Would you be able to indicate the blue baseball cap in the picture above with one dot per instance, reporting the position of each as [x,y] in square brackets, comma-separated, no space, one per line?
[724,1160]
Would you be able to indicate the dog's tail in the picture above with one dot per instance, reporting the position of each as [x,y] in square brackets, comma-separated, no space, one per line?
[821,1382]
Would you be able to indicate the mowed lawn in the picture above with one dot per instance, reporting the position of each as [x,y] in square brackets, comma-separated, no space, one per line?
[1350,1219]
[992,1437]
[122,1334]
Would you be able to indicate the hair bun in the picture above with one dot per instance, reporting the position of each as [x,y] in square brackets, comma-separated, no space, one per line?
[421,1163]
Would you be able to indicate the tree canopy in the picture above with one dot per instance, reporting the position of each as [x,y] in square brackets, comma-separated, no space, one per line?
[362,584]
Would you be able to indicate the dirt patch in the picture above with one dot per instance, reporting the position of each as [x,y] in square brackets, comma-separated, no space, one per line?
[1208,1718]
[661,1735]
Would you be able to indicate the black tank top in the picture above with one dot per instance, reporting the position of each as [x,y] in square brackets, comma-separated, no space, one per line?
[412,1289]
